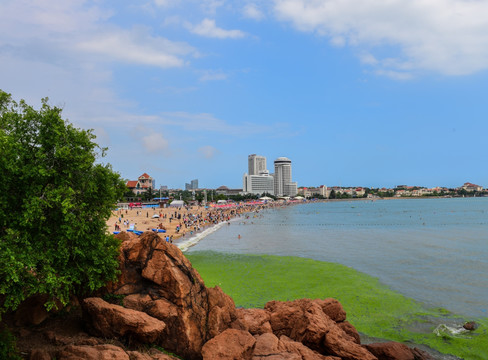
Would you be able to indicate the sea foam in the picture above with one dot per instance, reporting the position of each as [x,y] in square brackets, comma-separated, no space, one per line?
[185,245]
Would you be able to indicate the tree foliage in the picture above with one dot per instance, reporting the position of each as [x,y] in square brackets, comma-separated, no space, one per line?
[55,198]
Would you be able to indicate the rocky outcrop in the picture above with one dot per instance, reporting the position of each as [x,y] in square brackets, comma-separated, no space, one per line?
[165,302]
[158,279]
[114,321]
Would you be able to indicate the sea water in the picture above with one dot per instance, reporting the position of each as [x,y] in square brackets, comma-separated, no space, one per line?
[432,250]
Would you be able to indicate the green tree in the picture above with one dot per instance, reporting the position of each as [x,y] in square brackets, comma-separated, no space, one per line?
[55,198]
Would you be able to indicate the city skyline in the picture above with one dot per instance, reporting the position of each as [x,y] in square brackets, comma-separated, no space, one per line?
[373,95]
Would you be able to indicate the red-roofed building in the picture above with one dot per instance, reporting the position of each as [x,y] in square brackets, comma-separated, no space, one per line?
[142,184]
[471,187]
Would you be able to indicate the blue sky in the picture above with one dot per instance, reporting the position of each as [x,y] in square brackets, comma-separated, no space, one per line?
[371,93]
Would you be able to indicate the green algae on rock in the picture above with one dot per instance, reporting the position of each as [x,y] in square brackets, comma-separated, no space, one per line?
[374,309]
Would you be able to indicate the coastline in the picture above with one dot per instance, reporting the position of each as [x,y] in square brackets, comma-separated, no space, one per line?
[184,225]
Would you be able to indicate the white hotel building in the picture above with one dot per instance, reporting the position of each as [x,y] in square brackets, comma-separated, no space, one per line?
[258,180]
[283,185]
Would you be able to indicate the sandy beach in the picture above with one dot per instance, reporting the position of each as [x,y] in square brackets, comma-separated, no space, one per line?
[179,222]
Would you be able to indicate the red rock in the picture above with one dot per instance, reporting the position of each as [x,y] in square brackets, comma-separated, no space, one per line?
[301,320]
[221,311]
[268,346]
[332,308]
[256,321]
[390,351]
[135,355]
[163,309]
[139,302]
[110,320]
[470,325]
[32,311]
[304,321]
[350,330]
[232,344]
[301,350]
[338,343]
[39,354]
[396,351]
[421,355]
[99,352]
[173,292]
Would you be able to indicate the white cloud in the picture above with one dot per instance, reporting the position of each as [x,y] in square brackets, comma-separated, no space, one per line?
[155,142]
[445,36]
[211,6]
[252,11]
[166,3]
[136,46]
[204,122]
[67,32]
[208,28]
[208,152]
[213,76]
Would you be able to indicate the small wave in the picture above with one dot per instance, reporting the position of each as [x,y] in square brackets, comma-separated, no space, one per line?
[185,245]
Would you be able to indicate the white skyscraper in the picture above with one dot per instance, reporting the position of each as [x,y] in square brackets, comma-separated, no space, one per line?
[283,186]
[257,164]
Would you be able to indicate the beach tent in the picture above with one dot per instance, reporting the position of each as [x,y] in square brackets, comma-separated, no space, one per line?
[177,203]
[298,197]
[265,198]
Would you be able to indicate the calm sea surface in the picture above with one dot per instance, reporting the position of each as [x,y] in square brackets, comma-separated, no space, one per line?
[432,250]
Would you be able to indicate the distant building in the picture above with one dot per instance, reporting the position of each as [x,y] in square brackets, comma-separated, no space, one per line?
[193,185]
[258,184]
[142,184]
[224,190]
[471,187]
[256,164]
[283,186]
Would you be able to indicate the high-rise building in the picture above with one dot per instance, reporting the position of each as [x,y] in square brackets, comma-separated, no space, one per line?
[193,185]
[257,164]
[283,186]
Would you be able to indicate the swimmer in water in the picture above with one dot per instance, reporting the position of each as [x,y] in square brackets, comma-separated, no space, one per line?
[239,236]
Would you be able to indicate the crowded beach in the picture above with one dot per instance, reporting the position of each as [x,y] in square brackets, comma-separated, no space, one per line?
[175,224]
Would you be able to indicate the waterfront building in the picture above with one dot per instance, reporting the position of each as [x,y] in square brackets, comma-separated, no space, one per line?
[283,186]
[471,187]
[142,184]
[256,164]
[258,184]
[310,192]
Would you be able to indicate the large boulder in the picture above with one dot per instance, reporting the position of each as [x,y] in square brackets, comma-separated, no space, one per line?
[332,308]
[109,320]
[256,321]
[231,344]
[304,321]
